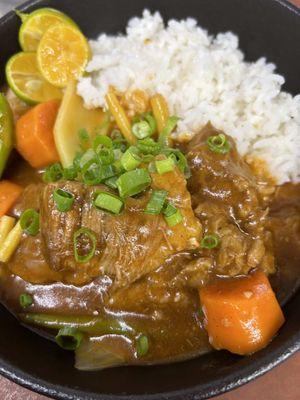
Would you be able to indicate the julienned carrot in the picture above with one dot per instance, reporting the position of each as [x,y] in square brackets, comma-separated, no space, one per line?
[35,137]
[242,314]
[9,193]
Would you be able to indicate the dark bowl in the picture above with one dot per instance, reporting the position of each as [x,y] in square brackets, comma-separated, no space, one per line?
[266,28]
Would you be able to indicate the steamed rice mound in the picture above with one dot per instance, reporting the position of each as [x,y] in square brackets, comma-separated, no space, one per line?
[204,78]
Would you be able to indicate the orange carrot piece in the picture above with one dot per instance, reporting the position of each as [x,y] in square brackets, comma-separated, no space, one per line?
[242,314]
[9,193]
[34,134]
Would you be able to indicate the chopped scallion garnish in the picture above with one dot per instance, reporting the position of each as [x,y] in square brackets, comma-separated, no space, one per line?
[112,182]
[63,200]
[106,156]
[84,239]
[163,166]
[179,159]
[30,222]
[133,182]
[69,338]
[169,127]
[149,146]
[141,129]
[70,173]
[142,345]
[53,173]
[25,300]
[102,141]
[218,144]
[84,137]
[156,202]
[130,159]
[172,215]
[108,202]
[210,241]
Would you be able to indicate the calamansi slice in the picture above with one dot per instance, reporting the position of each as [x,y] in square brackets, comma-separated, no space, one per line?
[62,54]
[35,24]
[6,131]
[25,79]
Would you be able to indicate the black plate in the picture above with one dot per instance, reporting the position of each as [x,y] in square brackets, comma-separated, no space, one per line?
[266,28]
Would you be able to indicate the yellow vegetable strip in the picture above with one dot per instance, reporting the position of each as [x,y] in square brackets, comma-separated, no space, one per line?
[120,116]
[11,243]
[6,225]
[160,111]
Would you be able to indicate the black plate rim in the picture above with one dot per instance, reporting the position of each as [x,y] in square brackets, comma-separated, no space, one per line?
[221,385]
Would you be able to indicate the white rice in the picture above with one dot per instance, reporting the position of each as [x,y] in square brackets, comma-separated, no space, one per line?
[204,78]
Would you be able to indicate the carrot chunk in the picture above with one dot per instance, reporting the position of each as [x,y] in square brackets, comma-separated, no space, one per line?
[35,137]
[241,314]
[9,193]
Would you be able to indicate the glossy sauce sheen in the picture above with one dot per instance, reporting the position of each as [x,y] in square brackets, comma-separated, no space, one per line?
[164,302]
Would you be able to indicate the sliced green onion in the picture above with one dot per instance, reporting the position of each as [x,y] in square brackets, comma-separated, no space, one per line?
[101,141]
[112,182]
[218,144]
[130,159]
[76,161]
[179,159]
[30,222]
[149,146]
[172,215]
[163,166]
[210,241]
[70,173]
[156,202]
[151,121]
[69,338]
[141,130]
[86,238]
[142,345]
[108,202]
[107,171]
[92,175]
[169,127]
[53,173]
[87,159]
[25,300]
[63,200]
[118,154]
[119,142]
[133,182]
[84,137]
[106,156]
